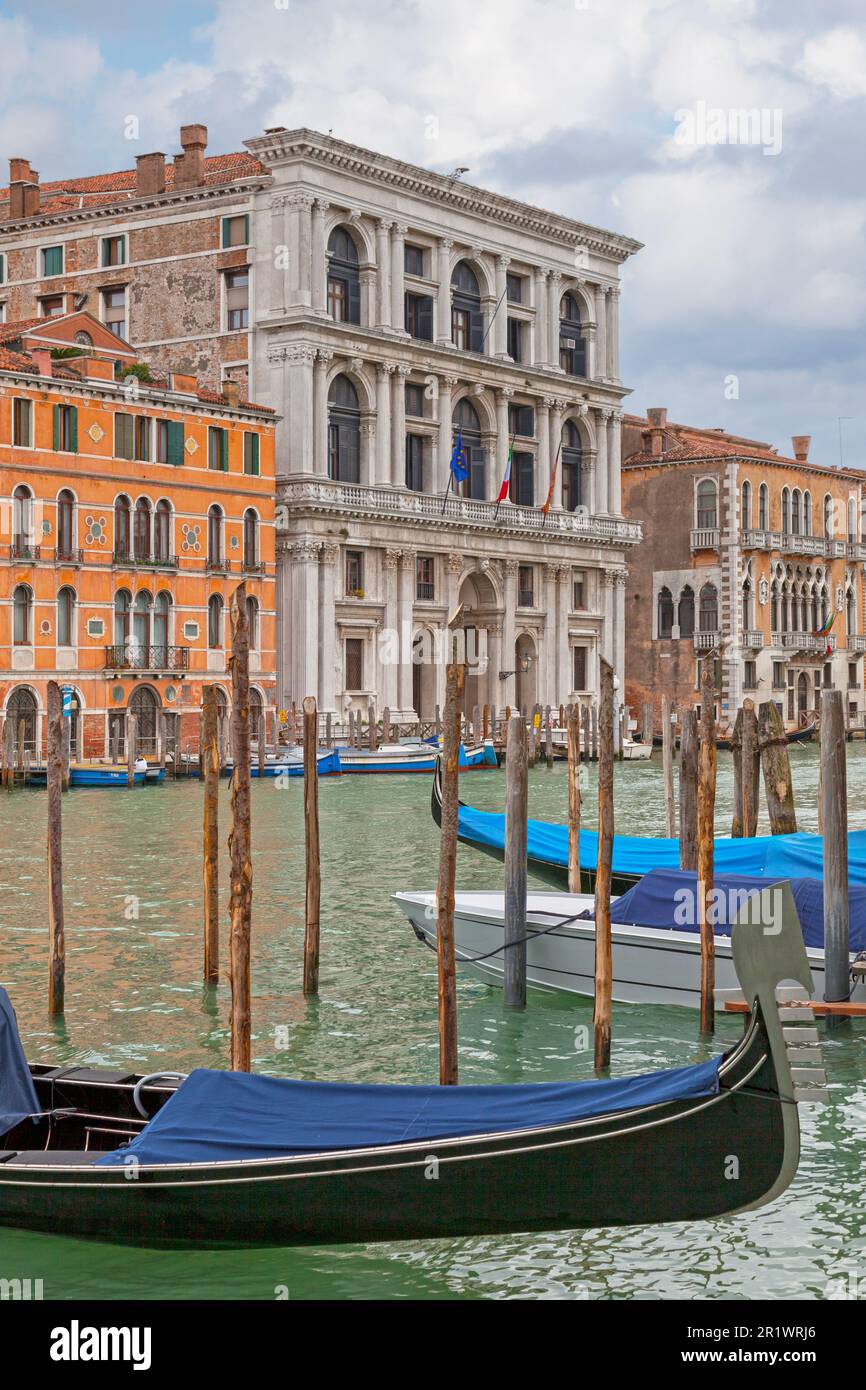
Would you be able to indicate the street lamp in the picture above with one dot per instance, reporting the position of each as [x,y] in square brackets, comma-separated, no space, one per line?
[525,662]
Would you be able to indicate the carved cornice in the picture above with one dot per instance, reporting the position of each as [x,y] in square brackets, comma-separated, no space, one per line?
[329,553]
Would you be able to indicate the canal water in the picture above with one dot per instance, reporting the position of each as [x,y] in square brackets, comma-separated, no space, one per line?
[132,862]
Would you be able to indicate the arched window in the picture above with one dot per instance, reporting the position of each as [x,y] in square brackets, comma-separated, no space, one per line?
[828,516]
[161,617]
[122,528]
[467,318]
[850,613]
[572,459]
[66,617]
[344,282]
[344,432]
[122,606]
[747,606]
[666,612]
[774,607]
[65,525]
[807,513]
[709,611]
[253,622]
[257,713]
[22,616]
[572,344]
[763,508]
[467,425]
[215,536]
[22,521]
[142,529]
[144,704]
[215,621]
[746,507]
[852,521]
[251,540]
[786,511]
[707,505]
[162,533]
[686,616]
[141,627]
[796,507]
[22,708]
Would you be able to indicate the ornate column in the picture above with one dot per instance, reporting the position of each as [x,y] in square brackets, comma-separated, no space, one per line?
[300,246]
[296,447]
[384,372]
[391,645]
[284,622]
[320,259]
[545,462]
[554,294]
[446,416]
[328,655]
[305,619]
[602,477]
[398,265]
[589,334]
[368,450]
[614,463]
[320,412]
[503,398]
[601,333]
[407,599]
[557,407]
[398,425]
[500,325]
[279,297]
[540,338]
[613,334]
[443,293]
[383,266]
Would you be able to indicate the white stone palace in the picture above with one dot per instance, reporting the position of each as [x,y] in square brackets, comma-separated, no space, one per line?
[392,308]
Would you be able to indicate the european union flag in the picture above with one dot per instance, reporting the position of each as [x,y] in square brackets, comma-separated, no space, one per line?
[459,461]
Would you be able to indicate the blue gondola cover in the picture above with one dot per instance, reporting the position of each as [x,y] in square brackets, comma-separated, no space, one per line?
[17,1092]
[217,1116]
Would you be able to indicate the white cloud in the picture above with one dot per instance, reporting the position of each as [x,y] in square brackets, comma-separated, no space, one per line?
[837,60]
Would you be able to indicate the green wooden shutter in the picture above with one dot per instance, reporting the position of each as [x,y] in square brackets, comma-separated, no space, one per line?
[175,443]
[247,228]
[73,429]
[52,260]
[251,460]
[57,429]
[224,450]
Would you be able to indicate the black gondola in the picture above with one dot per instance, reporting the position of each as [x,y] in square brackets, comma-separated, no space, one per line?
[200,1173]
[804,735]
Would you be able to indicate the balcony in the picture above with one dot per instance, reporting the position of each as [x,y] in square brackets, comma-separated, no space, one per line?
[857,643]
[856,550]
[68,555]
[22,553]
[706,641]
[753,640]
[129,657]
[705,538]
[253,566]
[216,565]
[805,642]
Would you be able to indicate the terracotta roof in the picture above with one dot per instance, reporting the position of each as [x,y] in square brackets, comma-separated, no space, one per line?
[12,330]
[691,451]
[63,195]
[15,361]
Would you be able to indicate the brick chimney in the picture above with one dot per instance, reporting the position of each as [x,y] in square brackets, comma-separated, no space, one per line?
[189,167]
[23,189]
[149,174]
[801,444]
[43,360]
[658,419]
[232,392]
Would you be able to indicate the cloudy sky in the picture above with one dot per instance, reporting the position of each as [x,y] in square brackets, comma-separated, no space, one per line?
[746,309]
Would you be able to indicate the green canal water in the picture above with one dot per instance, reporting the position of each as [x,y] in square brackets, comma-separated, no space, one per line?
[134,999]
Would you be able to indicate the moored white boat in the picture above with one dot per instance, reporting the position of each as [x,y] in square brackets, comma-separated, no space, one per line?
[411,756]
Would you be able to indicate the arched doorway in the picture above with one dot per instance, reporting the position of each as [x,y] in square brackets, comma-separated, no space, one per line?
[145,704]
[22,707]
[802,697]
[480,612]
[424,674]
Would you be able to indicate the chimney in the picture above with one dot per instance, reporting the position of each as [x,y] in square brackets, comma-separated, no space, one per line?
[23,189]
[658,418]
[42,359]
[149,174]
[801,444]
[232,392]
[189,167]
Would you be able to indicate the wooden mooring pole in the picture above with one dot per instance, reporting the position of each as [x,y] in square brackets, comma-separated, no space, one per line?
[603,963]
[688,790]
[668,769]
[706,832]
[209,766]
[240,838]
[751,769]
[834,794]
[648,721]
[548,738]
[54,777]
[131,747]
[737,752]
[516,806]
[573,802]
[447,973]
[312,900]
[776,766]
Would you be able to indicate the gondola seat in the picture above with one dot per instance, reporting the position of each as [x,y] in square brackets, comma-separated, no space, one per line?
[49,1158]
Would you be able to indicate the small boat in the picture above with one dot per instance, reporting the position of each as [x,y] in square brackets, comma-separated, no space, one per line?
[762,856]
[656,954]
[98,775]
[634,751]
[223,1160]
[290,763]
[412,756]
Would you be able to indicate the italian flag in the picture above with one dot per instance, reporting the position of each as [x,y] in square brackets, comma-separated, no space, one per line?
[506,479]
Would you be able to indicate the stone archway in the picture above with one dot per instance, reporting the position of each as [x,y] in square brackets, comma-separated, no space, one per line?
[481,612]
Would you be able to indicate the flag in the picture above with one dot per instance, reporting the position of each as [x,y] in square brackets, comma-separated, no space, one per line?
[459,461]
[506,479]
[824,629]
[546,507]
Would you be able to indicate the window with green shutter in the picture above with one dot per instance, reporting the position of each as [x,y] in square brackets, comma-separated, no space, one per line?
[52,260]
[2,270]
[124,437]
[236,231]
[218,449]
[175,443]
[251,454]
[66,429]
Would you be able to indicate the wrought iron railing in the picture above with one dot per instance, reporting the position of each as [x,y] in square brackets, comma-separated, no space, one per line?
[24,552]
[127,656]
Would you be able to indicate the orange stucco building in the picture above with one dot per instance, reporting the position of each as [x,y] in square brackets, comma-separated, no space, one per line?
[129,511]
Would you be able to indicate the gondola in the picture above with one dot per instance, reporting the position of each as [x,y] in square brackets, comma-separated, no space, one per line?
[762,856]
[803,735]
[231,1160]
[411,755]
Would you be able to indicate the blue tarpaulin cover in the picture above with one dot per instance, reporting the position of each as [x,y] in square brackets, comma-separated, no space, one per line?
[654,902]
[17,1092]
[218,1116]
[764,856]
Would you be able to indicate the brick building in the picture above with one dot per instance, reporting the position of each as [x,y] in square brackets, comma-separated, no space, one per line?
[129,510]
[748,549]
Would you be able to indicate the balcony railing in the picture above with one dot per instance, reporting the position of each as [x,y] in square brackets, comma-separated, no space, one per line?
[130,657]
[253,566]
[706,641]
[790,544]
[705,538]
[803,642]
[424,590]
[525,598]
[148,561]
[217,565]
[753,639]
[857,643]
[24,553]
[68,555]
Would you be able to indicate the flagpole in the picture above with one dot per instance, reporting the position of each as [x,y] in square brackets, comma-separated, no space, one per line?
[510,452]
[447,490]
[492,317]
[546,508]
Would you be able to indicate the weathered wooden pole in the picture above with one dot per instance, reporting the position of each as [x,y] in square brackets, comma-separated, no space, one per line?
[777,770]
[371,727]
[386,725]
[21,733]
[706,832]
[648,722]
[4,752]
[737,752]
[311,842]
[447,972]
[834,793]
[751,769]
[516,806]
[548,738]
[485,723]
[585,724]
[261,746]
[437,722]
[240,839]
[209,767]
[689,790]
[593,720]
[131,747]
[573,802]
[603,960]
[54,778]
[668,769]
[329,732]
[476,723]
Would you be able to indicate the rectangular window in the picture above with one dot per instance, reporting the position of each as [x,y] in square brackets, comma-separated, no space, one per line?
[415,462]
[236,231]
[218,449]
[142,438]
[354,663]
[578,588]
[778,675]
[514,289]
[460,329]
[579,668]
[51,306]
[525,586]
[419,317]
[124,436]
[52,261]
[521,420]
[338,299]
[22,423]
[114,310]
[251,454]
[66,429]
[114,250]
[523,480]
[515,340]
[572,355]
[424,584]
[750,675]
[415,400]
[828,676]
[852,675]
[170,442]
[355,573]
[413,262]
[237,286]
